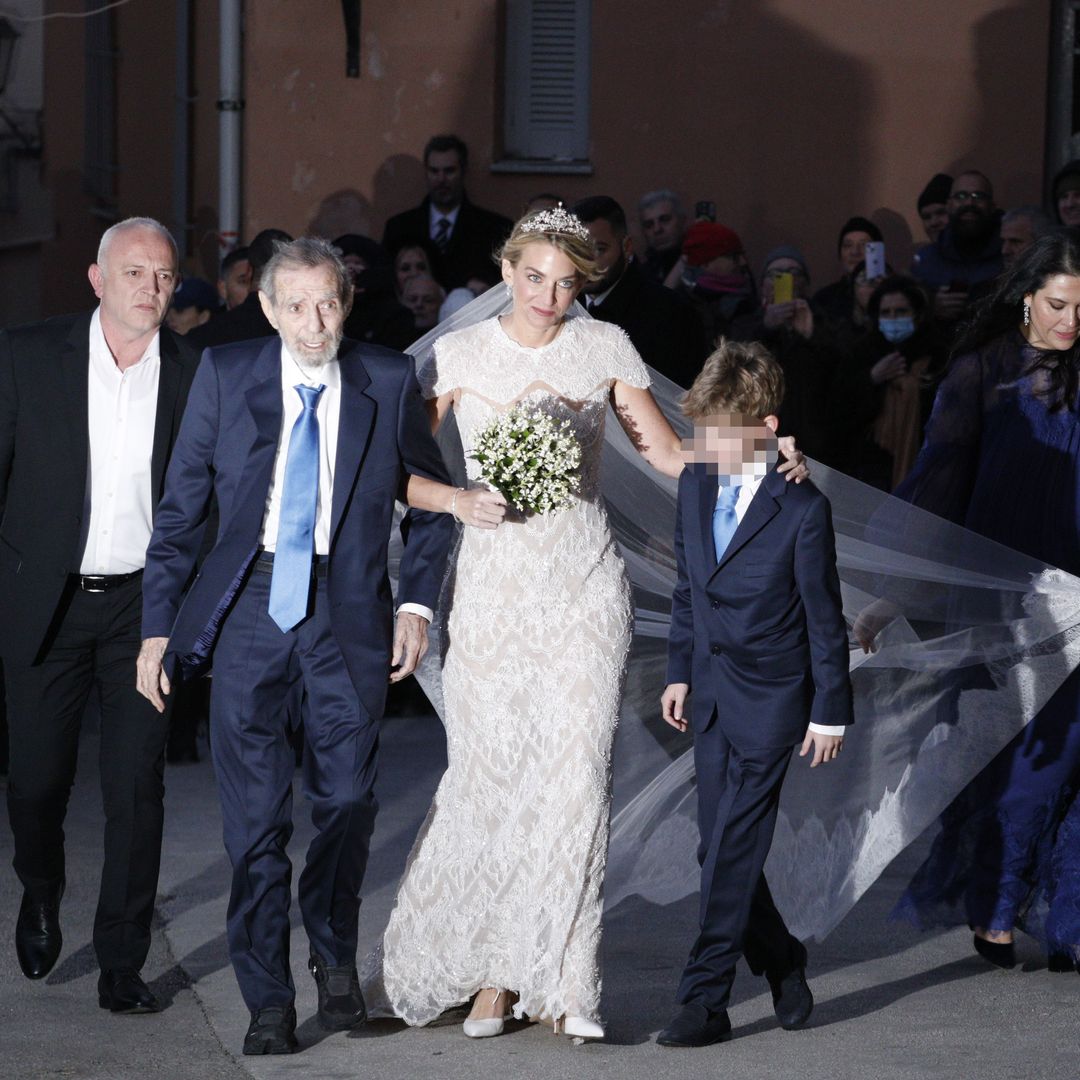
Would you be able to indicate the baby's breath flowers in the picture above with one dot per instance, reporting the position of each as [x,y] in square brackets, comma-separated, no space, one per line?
[531,458]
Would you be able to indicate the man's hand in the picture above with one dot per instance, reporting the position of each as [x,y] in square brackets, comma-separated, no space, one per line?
[795,465]
[410,644]
[673,704]
[150,680]
[802,321]
[481,508]
[779,314]
[826,747]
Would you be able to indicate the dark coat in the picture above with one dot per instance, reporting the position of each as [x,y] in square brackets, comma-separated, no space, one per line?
[760,636]
[226,448]
[663,326]
[44,451]
[245,322]
[478,234]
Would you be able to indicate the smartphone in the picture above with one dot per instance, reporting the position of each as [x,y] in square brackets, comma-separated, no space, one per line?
[783,287]
[705,210]
[874,256]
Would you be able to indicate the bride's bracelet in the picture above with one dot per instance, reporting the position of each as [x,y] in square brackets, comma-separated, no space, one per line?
[453,505]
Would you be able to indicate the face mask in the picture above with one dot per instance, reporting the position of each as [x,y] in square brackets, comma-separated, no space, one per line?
[712,284]
[896,330]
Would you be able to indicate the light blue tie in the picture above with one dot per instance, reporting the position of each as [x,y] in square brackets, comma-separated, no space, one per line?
[724,520]
[290,583]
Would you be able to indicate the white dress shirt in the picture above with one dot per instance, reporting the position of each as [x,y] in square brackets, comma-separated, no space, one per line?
[122,407]
[750,484]
[328,411]
[435,216]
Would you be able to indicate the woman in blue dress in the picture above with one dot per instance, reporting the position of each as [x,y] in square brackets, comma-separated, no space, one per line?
[1002,457]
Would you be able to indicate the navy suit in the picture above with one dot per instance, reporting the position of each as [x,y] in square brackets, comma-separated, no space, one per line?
[335,663]
[760,639]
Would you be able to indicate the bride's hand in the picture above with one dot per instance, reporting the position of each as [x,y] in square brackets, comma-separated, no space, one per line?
[795,466]
[871,621]
[480,508]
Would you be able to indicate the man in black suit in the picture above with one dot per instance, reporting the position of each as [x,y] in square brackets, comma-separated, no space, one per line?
[246,320]
[663,327]
[465,236]
[89,408]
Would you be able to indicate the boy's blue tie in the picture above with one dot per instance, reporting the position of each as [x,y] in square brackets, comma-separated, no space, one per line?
[290,583]
[724,521]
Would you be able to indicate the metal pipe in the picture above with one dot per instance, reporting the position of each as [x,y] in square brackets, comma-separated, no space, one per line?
[230,128]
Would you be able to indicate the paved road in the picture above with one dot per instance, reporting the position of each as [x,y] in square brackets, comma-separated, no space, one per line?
[891,1003]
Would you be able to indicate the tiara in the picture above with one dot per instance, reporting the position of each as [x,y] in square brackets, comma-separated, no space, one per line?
[556,220]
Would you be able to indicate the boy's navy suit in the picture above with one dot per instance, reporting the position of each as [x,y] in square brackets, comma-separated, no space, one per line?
[759,636]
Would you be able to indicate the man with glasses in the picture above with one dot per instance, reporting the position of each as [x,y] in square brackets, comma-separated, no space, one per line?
[968,252]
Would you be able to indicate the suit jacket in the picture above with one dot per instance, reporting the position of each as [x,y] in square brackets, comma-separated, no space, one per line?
[245,322]
[226,448]
[478,234]
[664,327]
[44,452]
[760,636]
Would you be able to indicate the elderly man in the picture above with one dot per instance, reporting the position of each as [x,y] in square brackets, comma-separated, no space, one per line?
[464,234]
[663,226]
[89,408]
[305,440]
[1020,228]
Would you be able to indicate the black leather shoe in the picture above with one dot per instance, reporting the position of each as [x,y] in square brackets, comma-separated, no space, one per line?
[121,990]
[694,1025]
[37,932]
[792,1001]
[1001,954]
[1062,961]
[272,1031]
[341,1005]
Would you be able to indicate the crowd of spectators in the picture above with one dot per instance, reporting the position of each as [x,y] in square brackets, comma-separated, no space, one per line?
[862,354]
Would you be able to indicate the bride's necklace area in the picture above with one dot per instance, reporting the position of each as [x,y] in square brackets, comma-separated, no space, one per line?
[506,323]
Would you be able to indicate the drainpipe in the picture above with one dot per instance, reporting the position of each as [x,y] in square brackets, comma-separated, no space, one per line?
[182,128]
[230,113]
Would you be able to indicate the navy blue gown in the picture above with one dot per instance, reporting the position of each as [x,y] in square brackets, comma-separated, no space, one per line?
[1000,461]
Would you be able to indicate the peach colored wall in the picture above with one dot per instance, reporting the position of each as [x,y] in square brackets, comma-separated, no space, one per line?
[790,115]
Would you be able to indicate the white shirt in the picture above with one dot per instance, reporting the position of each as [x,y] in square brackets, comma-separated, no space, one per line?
[750,484]
[328,411]
[122,407]
[435,216]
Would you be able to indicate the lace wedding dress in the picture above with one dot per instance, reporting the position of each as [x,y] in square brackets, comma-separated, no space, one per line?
[503,885]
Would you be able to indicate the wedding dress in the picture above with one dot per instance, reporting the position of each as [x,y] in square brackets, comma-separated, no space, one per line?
[503,886]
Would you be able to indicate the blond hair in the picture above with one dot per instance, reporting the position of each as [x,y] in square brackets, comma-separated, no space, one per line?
[579,250]
[739,377]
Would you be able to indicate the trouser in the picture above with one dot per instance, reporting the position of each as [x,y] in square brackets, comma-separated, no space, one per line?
[95,643]
[259,672]
[738,793]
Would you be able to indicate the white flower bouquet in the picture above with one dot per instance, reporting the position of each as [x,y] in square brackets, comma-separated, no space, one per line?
[531,458]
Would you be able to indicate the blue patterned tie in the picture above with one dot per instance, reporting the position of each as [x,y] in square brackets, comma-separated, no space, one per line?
[290,583]
[724,520]
[442,234]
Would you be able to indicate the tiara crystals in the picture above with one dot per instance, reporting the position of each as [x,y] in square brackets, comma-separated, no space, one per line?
[556,220]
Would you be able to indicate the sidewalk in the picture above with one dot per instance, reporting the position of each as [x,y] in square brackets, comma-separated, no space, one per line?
[891,1003]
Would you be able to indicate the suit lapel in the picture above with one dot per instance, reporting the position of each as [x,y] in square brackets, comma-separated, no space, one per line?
[264,403]
[354,432]
[75,375]
[165,418]
[764,506]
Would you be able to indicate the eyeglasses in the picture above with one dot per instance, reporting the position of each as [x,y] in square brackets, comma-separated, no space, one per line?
[970,196]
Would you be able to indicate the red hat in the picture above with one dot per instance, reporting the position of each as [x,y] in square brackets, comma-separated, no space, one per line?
[705,240]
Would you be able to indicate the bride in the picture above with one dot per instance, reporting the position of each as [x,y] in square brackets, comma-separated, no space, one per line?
[501,897]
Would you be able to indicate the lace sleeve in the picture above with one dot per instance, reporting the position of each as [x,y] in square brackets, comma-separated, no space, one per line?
[626,363]
[439,372]
[943,474]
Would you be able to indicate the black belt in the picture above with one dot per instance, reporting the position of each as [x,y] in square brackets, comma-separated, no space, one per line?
[264,564]
[97,583]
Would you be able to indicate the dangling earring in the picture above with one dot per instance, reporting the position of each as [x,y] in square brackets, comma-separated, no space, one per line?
[1027,313]
[509,293]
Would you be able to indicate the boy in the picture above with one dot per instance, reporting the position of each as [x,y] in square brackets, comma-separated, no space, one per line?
[757,631]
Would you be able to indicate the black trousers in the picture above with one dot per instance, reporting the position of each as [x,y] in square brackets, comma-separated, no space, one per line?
[738,794]
[96,641]
[260,676]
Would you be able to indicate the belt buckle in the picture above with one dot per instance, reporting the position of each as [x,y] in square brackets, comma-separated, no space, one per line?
[92,583]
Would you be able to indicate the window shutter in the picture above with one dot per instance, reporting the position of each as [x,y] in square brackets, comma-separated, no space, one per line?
[547,80]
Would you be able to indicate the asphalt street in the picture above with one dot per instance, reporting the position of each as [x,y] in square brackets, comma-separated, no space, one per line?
[891,1002]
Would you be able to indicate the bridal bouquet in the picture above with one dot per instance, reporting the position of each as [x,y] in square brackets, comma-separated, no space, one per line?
[531,458]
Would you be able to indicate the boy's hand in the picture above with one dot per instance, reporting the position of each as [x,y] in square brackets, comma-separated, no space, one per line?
[826,747]
[673,704]
[795,466]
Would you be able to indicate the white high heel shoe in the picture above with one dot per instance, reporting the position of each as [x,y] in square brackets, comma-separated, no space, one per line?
[486,1028]
[577,1027]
